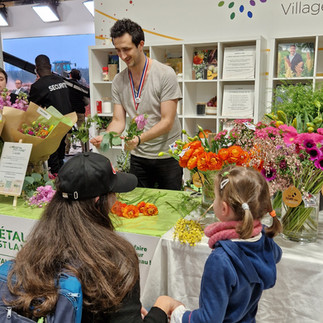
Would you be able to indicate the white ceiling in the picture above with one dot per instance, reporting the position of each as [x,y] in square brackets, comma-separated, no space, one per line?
[23,21]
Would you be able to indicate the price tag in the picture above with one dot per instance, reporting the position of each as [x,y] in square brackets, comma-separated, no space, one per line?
[44,113]
[292,197]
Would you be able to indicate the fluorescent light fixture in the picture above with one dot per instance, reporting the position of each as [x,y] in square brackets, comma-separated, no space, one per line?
[89,6]
[3,17]
[47,13]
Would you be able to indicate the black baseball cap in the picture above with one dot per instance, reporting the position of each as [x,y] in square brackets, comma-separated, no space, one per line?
[88,175]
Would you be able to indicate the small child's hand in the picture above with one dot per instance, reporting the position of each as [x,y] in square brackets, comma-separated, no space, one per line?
[167,304]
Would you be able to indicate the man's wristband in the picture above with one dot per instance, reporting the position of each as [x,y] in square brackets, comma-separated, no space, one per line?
[139,141]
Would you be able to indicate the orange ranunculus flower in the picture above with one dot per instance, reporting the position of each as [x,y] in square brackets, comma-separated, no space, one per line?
[192,162]
[130,211]
[215,162]
[202,162]
[193,144]
[117,208]
[223,153]
[198,151]
[234,154]
[150,209]
[141,206]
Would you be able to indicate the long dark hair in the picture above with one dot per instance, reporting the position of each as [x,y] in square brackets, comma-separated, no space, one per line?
[77,237]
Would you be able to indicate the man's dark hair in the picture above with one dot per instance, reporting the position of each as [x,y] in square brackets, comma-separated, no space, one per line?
[124,26]
[43,66]
[42,60]
[75,74]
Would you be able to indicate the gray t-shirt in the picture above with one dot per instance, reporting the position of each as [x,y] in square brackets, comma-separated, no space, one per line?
[160,85]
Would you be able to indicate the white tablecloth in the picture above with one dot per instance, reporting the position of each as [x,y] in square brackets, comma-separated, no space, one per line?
[297,297]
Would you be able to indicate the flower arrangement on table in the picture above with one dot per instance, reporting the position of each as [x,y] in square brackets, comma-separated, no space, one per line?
[204,156]
[135,128]
[291,160]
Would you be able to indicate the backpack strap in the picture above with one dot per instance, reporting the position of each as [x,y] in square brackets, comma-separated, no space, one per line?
[68,308]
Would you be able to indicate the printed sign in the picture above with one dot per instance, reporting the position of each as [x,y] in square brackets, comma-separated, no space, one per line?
[13,165]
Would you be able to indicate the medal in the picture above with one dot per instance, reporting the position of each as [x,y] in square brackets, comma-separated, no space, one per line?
[137,95]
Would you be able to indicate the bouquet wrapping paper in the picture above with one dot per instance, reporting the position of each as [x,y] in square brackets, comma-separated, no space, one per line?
[42,147]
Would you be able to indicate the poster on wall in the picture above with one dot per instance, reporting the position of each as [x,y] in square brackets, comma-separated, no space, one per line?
[205,64]
[295,60]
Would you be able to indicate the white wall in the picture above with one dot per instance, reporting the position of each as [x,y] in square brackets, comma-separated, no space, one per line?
[75,19]
[204,20]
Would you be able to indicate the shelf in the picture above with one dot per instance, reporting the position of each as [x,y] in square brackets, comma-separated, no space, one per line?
[311,50]
[180,56]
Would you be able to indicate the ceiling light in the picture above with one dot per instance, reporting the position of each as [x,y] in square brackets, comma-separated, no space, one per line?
[3,16]
[47,12]
[89,6]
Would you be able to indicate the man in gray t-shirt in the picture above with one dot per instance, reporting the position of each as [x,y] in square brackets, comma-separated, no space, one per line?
[146,87]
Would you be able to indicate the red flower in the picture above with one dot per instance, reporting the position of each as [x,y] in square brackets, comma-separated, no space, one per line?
[117,208]
[130,211]
[150,209]
[141,206]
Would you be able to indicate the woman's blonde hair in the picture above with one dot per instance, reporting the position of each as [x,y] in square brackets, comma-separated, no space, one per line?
[237,185]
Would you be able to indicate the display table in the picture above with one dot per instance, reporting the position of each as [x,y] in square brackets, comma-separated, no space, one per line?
[143,232]
[168,267]
[176,270]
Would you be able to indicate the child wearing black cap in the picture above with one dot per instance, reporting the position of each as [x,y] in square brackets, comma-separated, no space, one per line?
[75,234]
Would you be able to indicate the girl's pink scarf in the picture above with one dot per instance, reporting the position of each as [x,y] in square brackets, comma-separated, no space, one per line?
[226,230]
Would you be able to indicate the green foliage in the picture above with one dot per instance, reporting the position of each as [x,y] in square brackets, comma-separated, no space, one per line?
[82,134]
[123,163]
[109,140]
[101,122]
[298,105]
[35,180]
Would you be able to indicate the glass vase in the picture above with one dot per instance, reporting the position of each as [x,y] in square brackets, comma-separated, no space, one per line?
[301,223]
[208,190]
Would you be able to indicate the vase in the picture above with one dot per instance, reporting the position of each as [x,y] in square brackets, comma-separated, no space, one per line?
[208,190]
[301,223]
[277,200]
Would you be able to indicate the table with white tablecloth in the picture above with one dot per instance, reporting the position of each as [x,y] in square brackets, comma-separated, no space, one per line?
[297,297]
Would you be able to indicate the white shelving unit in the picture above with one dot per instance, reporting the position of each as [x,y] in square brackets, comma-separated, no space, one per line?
[316,79]
[193,90]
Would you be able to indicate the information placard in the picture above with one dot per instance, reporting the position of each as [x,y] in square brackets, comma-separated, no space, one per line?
[239,62]
[238,101]
[13,165]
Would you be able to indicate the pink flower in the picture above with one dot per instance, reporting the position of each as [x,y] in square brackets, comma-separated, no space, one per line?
[286,128]
[290,138]
[319,163]
[141,121]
